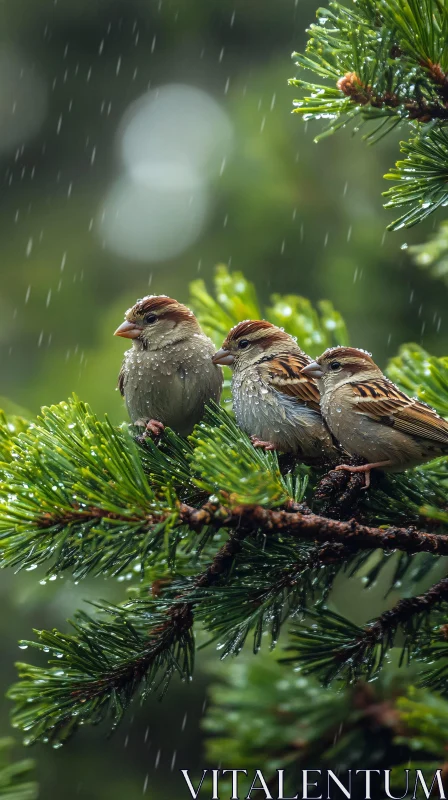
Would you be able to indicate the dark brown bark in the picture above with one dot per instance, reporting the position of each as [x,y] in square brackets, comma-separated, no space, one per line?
[305,525]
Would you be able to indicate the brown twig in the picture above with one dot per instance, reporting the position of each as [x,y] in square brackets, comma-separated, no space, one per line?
[295,520]
[406,609]
[383,629]
[313,527]
[172,630]
[417,107]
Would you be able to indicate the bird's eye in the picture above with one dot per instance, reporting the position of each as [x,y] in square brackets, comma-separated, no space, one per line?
[335,366]
[150,319]
[243,344]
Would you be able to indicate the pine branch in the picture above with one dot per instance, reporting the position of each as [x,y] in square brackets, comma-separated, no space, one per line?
[385,59]
[256,601]
[104,520]
[15,776]
[433,254]
[387,65]
[90,501]
[314,329]
[167,463]
[301,724]
[10,427]
[422,28]
[417,109]
[100,668]
[432,651]
[83,495]
[224,456]
[394,498]
[407,615]
[398,498]
[236,299]
[336,648]
[422,375]
[95,673]
[312,527]
[424,726]
[301,524]
[423,177]
[338,493]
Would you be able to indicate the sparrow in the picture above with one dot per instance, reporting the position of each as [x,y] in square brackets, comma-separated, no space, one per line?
[167,377]
[276,405]
[371,417]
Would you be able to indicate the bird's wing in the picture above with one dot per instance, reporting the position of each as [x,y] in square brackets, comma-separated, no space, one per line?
[122,379]
[283,374]
[383,402]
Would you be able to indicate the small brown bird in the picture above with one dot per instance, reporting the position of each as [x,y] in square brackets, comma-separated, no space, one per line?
[276,405]
[167,377]
[371,417]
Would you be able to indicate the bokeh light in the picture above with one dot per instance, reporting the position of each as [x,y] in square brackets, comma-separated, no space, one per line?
[179,124]
[151,221]
[173,142]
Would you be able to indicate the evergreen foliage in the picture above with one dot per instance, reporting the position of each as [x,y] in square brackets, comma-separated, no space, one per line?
[385,63]
[433,254]
[15,776]
[384,723]
[236,299]
[224,538]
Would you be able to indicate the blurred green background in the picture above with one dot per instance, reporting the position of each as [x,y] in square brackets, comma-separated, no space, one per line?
[141,143]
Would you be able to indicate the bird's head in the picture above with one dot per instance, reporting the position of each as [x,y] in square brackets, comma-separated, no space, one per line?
[157,320]
[339,365]
[252,340]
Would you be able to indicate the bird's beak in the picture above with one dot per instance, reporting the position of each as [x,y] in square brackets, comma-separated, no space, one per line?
[129,330]
[223,357]
[313,370]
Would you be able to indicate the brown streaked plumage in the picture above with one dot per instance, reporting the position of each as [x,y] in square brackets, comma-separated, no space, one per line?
[255,329]
[163,306]
[273,402]
[167,377]
[347,354]
[371,417]
[285,376]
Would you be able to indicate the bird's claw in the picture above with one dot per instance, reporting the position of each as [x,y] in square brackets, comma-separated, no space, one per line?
[154,428]
[365,468]
[260,443]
